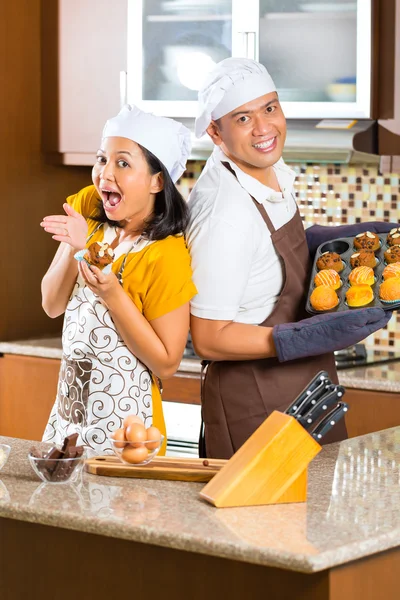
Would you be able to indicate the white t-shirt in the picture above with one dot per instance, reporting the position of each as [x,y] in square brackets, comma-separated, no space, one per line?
[236,270]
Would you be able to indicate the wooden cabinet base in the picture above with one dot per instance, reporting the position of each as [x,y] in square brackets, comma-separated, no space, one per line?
[153,572]
[28,386]
[371,411]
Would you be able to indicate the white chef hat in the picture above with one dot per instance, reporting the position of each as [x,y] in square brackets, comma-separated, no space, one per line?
[167,139]
[230,84]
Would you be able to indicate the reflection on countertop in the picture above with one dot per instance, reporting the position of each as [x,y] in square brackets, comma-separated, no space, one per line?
[351,512]
[383,376]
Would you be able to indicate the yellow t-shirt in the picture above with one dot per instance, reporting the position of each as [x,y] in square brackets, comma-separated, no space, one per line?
[158,277]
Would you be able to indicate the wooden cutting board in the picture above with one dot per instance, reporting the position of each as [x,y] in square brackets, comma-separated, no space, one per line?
[161,467]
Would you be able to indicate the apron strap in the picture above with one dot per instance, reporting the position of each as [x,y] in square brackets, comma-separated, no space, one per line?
[202,436]
[94,231]
[260,207]
[121,270]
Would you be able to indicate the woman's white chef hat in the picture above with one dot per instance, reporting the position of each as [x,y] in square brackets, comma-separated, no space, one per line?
[167,139]
[230,84]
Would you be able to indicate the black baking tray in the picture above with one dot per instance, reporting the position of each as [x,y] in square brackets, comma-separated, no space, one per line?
[344,246]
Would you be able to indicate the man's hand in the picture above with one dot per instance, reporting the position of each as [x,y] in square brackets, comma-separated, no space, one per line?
[327,332]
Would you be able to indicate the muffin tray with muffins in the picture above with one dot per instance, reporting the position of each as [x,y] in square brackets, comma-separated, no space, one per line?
[356,272]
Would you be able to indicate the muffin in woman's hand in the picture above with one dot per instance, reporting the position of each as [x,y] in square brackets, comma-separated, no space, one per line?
[330,260]
[392,270]
[328,277]
[324,298]
[392,255]
[364,258]
[359,295]
[393,237]
[99,254]
[362,275]
[389,290]
[367,241]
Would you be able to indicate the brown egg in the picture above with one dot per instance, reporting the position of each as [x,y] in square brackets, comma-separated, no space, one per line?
[134,455]
[154,435]
[119,435]
[132,419]
[136,434]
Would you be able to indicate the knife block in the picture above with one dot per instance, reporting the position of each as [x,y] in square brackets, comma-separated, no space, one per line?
[270,467]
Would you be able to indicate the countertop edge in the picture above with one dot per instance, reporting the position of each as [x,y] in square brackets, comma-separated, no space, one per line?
[286,560]
[49,348]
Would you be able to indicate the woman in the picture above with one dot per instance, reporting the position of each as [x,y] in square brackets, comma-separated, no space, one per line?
[125,329]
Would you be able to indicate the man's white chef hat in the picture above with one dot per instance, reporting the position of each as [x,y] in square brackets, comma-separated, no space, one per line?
[167,139]
[230,84]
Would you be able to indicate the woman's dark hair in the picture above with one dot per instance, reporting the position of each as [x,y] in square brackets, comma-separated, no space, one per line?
[171,214]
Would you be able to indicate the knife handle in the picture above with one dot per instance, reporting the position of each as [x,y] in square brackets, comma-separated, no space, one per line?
[314,384]
[330,421]
[322,406]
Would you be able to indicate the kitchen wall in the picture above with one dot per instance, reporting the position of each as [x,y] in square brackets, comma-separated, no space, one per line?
[336,194]
[30,188]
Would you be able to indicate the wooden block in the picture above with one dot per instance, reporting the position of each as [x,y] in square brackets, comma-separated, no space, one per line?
[161,467]
[270,467]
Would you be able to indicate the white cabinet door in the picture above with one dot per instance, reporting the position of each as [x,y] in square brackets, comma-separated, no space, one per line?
[318,53]
[172,44]
[92,52]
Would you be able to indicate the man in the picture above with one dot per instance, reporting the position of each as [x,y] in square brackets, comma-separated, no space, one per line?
[251,265]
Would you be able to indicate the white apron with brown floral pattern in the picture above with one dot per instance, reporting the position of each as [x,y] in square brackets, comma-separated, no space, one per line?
[100,380]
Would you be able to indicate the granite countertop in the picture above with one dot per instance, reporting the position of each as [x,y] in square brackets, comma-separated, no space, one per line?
[383,377]
[352,509]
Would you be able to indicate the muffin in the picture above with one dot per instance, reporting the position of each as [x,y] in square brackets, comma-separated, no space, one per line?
[393,237]
[99,254]
[359,295]
[392,255]
[364,258]
[328,277]
[367,241]
[324,298]
[389,290]
[330,260]
[362,275]
[392,270]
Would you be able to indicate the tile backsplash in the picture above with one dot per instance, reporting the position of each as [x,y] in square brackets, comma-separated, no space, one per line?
[335,194]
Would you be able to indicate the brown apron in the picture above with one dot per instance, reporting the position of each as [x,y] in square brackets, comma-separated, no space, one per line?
[237,396]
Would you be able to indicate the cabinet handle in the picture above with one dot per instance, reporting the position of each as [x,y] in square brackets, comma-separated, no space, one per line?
[123,76]
[250,44]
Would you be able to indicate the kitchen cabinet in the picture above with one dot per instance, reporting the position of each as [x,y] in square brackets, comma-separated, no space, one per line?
[371,411]
[322,55]
[328,59]
[87,40]
[28,387]
[162,540]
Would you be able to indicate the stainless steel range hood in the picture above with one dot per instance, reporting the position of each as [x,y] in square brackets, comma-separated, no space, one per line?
[307,143]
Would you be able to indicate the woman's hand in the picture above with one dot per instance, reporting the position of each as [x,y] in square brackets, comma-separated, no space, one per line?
[104,286]
[70,228]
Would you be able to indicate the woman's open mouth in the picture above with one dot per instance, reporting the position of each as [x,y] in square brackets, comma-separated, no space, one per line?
[111,200]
